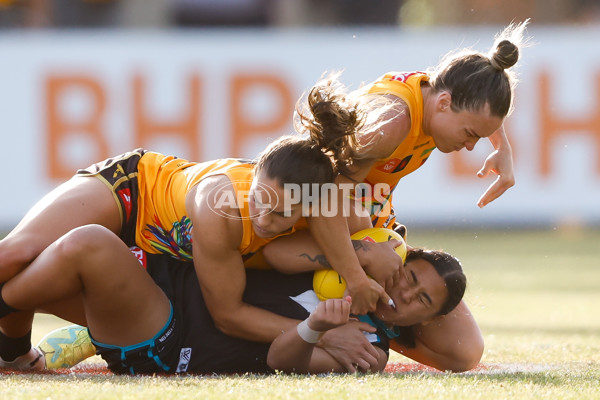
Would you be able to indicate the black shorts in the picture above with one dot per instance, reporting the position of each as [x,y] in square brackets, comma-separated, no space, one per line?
[120,174]
[159,354]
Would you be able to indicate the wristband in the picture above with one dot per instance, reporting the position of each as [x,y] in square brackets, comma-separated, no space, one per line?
[308,334]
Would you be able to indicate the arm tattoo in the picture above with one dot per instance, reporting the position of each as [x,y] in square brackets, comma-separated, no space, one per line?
[319,258]
[359,245]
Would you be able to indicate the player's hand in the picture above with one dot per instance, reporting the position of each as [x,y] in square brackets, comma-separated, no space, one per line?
[330,314]
[385,264]
[349,346]
[499,162]
[365,295]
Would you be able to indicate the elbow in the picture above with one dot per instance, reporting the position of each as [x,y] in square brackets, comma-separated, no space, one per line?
[469,358]
[278,363]
[274,362]
[226,325]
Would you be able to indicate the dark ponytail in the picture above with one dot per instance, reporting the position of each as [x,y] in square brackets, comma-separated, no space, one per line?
[331,118]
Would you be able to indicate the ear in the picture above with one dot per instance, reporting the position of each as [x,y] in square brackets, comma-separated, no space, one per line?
[444,101]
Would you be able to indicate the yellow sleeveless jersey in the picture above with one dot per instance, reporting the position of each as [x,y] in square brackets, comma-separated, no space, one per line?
[163,225]
[411,153]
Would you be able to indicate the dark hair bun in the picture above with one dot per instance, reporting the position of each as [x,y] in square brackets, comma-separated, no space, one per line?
[505,56]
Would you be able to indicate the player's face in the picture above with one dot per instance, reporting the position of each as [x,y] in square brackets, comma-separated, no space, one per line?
[270,215]
[454,131]
[419,295]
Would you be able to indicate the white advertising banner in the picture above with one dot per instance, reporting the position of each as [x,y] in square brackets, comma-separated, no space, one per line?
[68,99]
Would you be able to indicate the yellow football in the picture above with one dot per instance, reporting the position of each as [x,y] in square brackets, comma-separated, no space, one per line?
[382,235]
[328,284]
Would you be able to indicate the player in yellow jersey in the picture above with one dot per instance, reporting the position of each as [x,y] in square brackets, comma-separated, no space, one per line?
[217,213]
[465,98]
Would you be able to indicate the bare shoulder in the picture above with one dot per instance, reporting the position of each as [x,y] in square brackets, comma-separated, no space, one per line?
[212,203]
[391,133]
[209,192]
[397,124]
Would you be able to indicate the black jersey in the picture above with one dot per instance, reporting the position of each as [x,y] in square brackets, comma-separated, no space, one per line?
[194,343]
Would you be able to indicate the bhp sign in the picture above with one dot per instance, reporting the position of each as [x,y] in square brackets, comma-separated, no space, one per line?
[185,126]
[226,94]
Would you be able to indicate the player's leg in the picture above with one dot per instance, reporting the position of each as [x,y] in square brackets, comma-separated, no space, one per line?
[79,201]
[74,203]
[123,305]
[452,342]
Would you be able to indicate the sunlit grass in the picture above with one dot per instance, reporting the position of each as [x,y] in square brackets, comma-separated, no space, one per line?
[534,295]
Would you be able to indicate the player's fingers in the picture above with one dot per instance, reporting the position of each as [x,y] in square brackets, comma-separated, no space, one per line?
[495,190]
[363,326]
[396,276]
[368,303]
[485,169]
[364,365]
[386,299]
[345,307]
[351,367]
[394,243]
[370,357]
[338,307]
[373,353]
[358,309]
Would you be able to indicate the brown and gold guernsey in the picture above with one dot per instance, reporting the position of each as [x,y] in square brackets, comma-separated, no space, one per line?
[163,225]
[411,153]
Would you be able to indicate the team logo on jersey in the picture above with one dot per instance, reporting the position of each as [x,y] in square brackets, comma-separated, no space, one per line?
[389,166]
[404,76]
[395,165]
[139,254]
[125,196]
[118,171]
[185,355]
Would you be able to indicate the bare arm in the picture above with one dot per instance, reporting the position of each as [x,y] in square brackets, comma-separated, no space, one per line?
[297,352]
[300,253]
[222,276]
[331,233]
[499,162]
[453,342]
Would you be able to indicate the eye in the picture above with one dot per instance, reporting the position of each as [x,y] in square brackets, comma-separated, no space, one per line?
[413,279]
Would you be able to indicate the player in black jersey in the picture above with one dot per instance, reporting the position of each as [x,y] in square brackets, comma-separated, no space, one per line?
[153,319]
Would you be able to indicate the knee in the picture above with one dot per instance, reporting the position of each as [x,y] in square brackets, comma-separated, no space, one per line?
[84,241]
[16,253]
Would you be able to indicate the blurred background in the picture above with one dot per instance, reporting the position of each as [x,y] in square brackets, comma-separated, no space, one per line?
[81,80]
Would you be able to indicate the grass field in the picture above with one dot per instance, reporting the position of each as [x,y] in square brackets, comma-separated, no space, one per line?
[535,295]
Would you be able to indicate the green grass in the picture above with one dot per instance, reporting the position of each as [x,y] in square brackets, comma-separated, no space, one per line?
[534,294]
